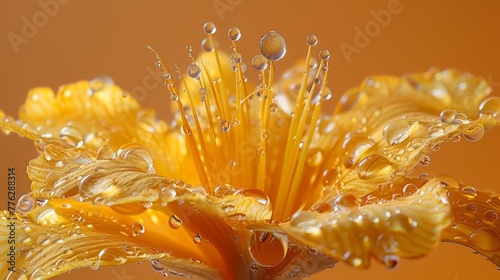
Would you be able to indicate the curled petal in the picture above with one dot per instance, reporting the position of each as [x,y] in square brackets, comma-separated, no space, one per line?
[407,227]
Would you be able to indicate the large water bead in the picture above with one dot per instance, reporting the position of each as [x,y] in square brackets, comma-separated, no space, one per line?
[272,46]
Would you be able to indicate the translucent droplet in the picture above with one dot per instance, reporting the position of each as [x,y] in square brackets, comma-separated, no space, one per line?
[491,107]
[425,160]
[273,107]
[409,189]
[312,40]
[354,146]
[234,33]
[174,97]
[398,131]
[156,265]
[76,217]
[324,54]
[25,203]
[435,131]
[469,192]
[209,28]
[391,261]
[272,46]
[268,249]
[224,126]
[137,155]
[105,152]
[174,222]
[374,166]
[93,184]
[471,207]
[71,137]
[197,238]
[206,45]
[460,118]
[447,115]
[236,58]
[138,229]
[474,133]
[259,62]
[490,217]
[99,84]
[193,71]
[485,239]
[228,208]
[256,194]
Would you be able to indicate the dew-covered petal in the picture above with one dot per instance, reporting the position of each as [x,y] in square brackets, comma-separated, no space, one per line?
[91,114]
[406,227]
[384,128]
[55,247]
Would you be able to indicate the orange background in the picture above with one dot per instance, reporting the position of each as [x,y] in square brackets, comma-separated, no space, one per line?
[85,39]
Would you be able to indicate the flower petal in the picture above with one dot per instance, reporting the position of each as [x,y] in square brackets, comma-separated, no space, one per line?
[91,114]
[385,127]
[47,250]
[406,227]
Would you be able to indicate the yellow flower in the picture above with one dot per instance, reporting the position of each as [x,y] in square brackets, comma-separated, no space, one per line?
[247,182]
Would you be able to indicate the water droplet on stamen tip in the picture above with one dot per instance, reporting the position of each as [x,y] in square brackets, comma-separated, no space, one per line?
[209,28]
[234,34]
[273,107]
[312,40]
[272,46]
[206,45]
[259,62]
[324,54]
[193,71]
[236,58]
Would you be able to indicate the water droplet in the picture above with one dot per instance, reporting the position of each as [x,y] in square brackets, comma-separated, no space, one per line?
[447,115]
[324,54]
[76,217]
[491,107]
[425,160]
[435,130]
[391,261]
[460,118]
[99,84]
[206,45]
[259,62]
[234,34]
[273,107]
[60,263]
[25,203]
[272,46]
[409,189]
[209,28]
[256,194]
[312,40]
[189,48]
[374,166]
[471,207]
[71,137]
[156,265]
[138,229]
[355,146]
[93,184]
[469,192]
[193,71]
[323,207]
[174,222]
[474,133]
[398,131]
[485,239]
[224,189]
[105,152]
[197,238]
[228,208]
[224,126]
[174,97]
[268,249]
[490,217]
[95,265]
[137,155]
[236,58]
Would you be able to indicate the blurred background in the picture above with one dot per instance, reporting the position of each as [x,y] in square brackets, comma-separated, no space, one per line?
[53,42]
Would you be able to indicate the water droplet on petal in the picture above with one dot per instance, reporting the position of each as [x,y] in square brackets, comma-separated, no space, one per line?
[105,152]
[138,229]
[268,249]
[474,133]
[374,166]
[409,189]
[447,115]
[469,192]
[174,222]
[485,239]
[25,203]
[71,137]
[197,238]
[491,107]
[354,146]
[490,217]
[272,46]
[398,131]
